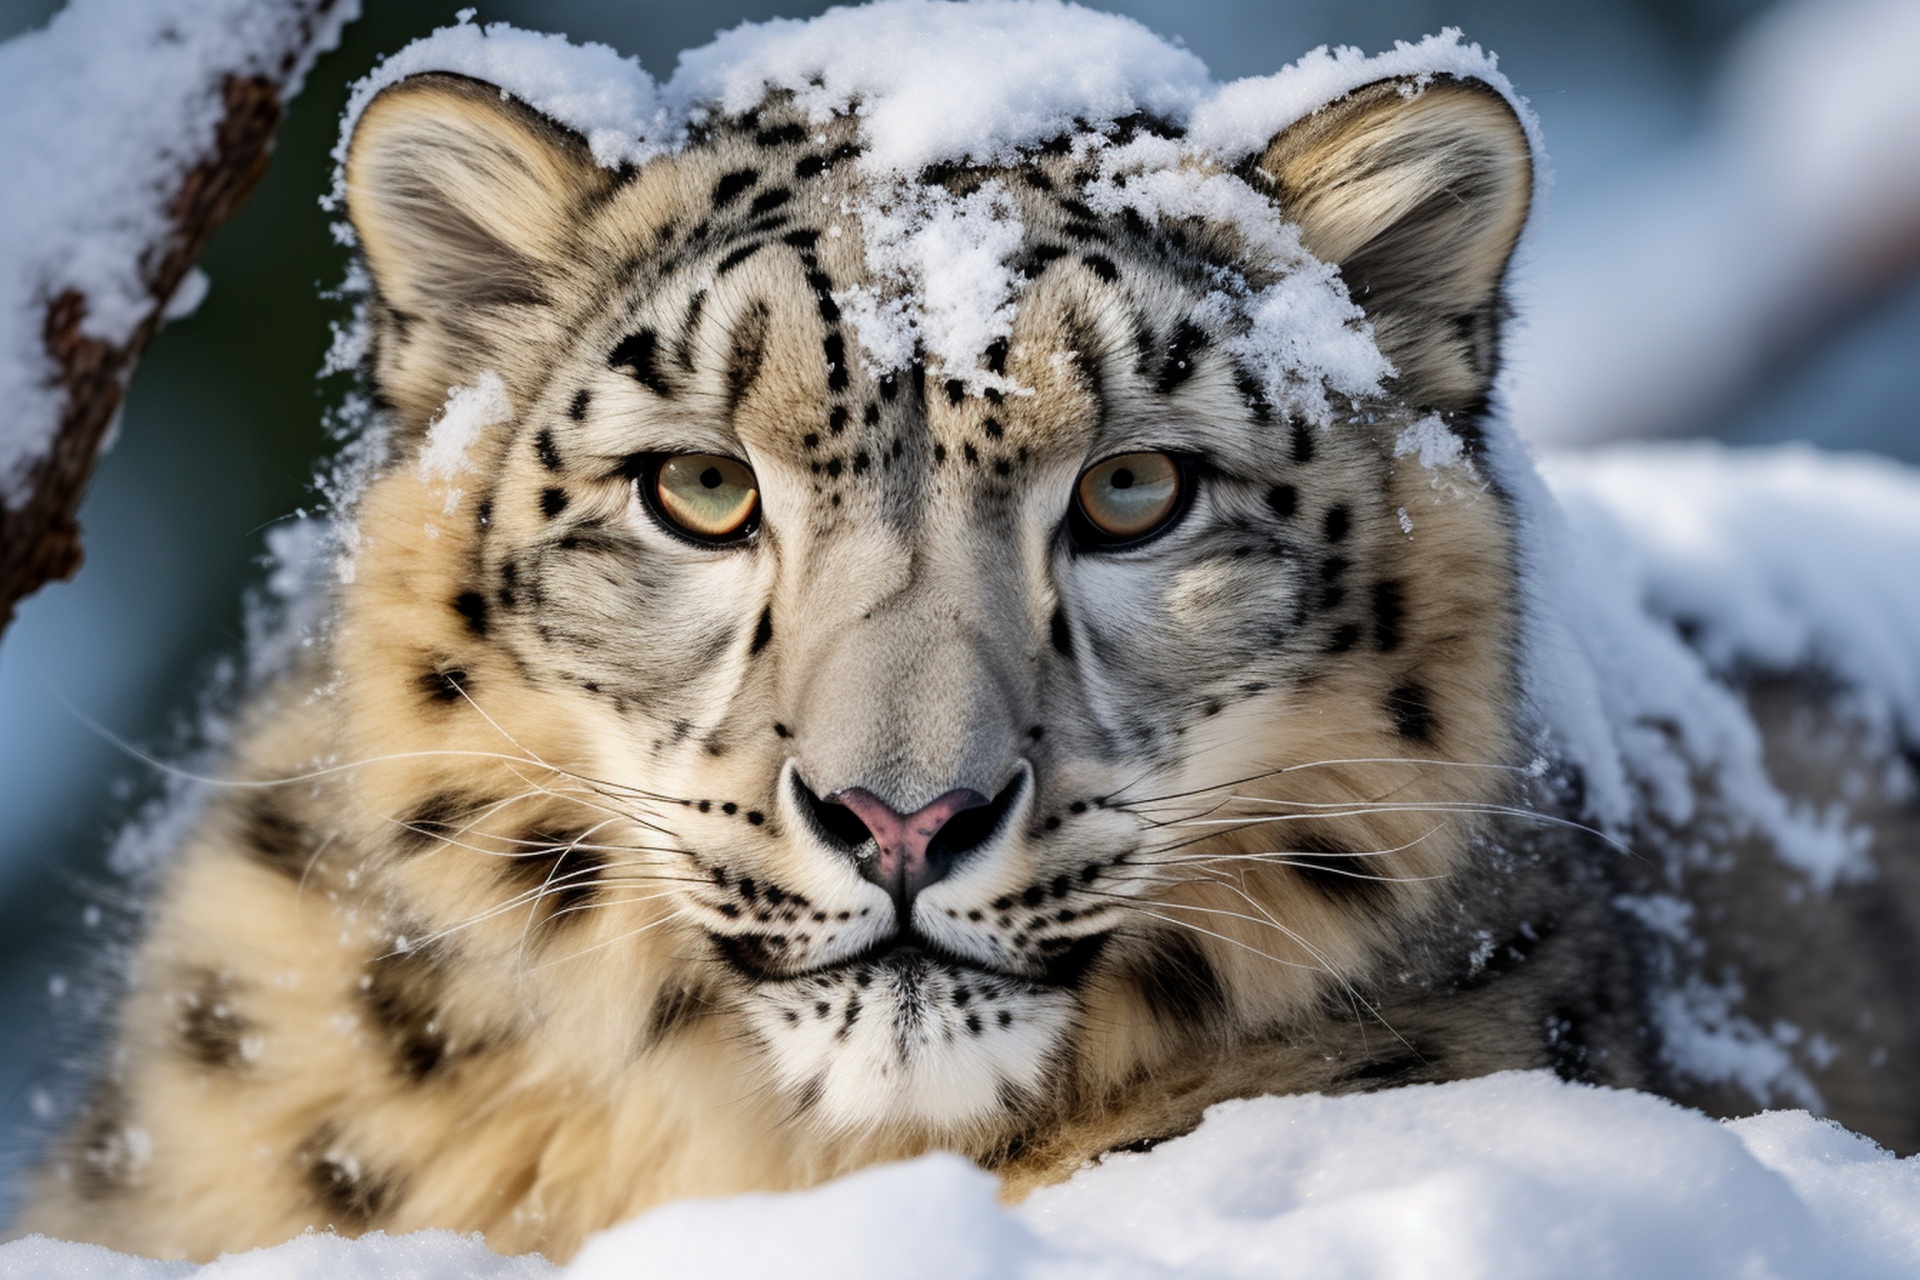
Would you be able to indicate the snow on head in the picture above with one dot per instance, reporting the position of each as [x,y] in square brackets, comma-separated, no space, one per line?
[934,81]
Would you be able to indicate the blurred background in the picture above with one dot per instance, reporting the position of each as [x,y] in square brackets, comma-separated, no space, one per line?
[1731,249]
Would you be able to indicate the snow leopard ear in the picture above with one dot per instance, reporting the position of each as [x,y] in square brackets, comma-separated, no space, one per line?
[1417,192]
[461,197]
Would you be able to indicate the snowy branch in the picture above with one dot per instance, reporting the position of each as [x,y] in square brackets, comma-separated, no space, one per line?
[131,131]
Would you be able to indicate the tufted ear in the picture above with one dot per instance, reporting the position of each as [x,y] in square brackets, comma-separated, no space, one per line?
[461,197]
[1418,193]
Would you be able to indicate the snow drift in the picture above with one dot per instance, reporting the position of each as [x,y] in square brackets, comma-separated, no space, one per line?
[1512,1175]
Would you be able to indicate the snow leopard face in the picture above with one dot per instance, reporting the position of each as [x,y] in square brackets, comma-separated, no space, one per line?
[950,683]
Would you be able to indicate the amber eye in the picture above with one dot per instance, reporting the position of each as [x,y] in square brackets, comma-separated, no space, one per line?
[1130,497]
[706,496]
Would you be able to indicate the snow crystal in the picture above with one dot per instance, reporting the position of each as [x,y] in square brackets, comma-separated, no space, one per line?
[103,111]
[459,425]
[950,256]
[1510,1175]
[1432,443]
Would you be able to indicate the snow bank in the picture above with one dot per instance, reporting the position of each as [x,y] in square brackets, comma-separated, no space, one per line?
[1515,1175]
[103,112]
[1668,571]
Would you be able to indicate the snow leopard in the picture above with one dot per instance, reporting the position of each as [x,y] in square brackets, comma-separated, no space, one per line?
[732,760]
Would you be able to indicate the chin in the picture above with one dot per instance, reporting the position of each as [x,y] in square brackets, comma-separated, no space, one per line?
[910,1040]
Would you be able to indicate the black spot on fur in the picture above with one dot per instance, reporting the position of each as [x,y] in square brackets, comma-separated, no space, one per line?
[353,1196]
[1062,635]
[552,502]
[746,355]
[1344,637]
[762,631]
[444,683]
[738,256]
[1302,442]
[273,836]
[1283,500]
[1182,356]
[1101,265]
[782,135]
[1336,873]
[210,1028]
[553,872]
[733,185]
[1179,983]
[639,352]
[435,819]
[472,606]
[578,409]
[810,166]
[1254,394]
[997,356]
[402,996]
[1040,257]
[1411,709]
[545,450]
[768,201]
[1388,612]
[1338,521]
[835,349]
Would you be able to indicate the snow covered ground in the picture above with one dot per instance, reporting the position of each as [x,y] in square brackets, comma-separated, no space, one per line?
[1513,1176]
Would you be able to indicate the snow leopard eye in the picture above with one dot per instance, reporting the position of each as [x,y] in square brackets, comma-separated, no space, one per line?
[703,496]
[1129,498]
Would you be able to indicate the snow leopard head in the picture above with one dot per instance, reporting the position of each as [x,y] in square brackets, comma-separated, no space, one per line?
[942,643]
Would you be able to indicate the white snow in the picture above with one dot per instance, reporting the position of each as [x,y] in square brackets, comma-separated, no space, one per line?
[1774,560]
[1515,1175]
[102,112]
[931,82]
[1430,442]
[459,425]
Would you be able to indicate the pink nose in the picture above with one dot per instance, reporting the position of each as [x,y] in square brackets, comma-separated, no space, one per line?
[907,861]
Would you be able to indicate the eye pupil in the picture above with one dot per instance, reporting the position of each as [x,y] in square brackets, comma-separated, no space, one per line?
[1122,479]
[711,478]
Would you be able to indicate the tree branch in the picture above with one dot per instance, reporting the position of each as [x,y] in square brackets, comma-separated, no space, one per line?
[40,537]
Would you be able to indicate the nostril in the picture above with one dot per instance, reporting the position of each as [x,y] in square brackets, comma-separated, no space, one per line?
[971,828]
[838,823]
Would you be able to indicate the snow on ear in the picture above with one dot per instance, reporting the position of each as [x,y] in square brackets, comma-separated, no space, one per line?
[461,196]
[1417,192]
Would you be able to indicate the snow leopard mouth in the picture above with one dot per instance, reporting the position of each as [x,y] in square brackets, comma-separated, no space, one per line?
[906,954]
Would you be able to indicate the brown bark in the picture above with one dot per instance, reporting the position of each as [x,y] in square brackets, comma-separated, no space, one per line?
[40,540]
